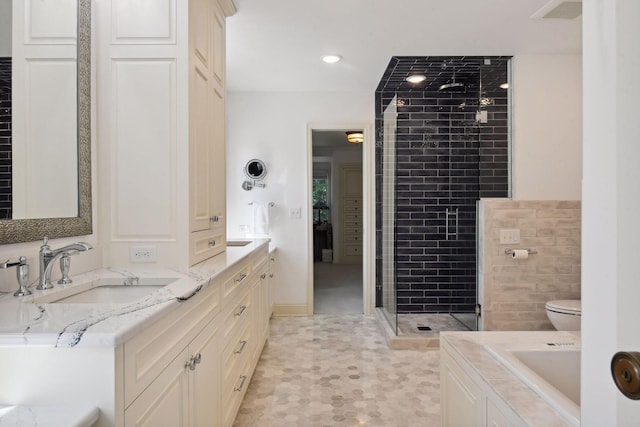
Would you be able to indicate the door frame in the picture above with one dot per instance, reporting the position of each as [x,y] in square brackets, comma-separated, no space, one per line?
[368,211]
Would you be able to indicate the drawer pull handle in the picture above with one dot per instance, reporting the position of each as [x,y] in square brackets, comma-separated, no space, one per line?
[243,343]
[193,361]
[186,297]
[243,378]
[212,243]
[241,278]
[263,276]
[242,309]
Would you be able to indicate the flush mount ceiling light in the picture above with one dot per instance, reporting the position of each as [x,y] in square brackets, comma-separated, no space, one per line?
[504,86]
[331,59]
[416,78]
[356,137]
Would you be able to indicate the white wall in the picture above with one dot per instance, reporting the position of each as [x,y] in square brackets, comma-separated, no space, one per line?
[611,201]
[273,127]
[547,127]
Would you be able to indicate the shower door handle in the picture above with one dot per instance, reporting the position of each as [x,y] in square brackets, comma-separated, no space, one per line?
[446,224]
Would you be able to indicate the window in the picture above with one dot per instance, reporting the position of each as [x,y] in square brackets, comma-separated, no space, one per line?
[320,195]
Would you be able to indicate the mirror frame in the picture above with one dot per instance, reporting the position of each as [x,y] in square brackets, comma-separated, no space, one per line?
[258,177]
[27,230]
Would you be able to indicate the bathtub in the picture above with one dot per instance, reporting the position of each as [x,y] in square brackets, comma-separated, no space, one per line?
[551,369]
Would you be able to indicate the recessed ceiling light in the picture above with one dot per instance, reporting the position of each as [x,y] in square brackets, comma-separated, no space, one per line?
[416,78]
[504,86]
[331,59]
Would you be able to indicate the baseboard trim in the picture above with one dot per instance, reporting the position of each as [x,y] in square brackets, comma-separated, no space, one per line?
[290,310]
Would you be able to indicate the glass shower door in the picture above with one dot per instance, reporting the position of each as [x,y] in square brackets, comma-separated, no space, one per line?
[389,307]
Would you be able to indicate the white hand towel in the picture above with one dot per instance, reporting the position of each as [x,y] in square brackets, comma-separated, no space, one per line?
[260,218]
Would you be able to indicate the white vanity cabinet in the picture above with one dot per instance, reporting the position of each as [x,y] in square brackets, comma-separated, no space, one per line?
[186,392]
[466,400]
[171,369]
[161,115]
[157,362]
[193,367]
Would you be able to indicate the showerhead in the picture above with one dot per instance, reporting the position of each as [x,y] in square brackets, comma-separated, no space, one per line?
[453,87]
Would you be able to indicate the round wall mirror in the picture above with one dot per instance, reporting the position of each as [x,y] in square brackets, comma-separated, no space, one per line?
[255,169]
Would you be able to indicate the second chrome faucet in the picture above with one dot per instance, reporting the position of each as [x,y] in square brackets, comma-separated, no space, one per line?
[48,256]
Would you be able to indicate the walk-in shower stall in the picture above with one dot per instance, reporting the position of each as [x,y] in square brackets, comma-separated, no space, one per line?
[441,144]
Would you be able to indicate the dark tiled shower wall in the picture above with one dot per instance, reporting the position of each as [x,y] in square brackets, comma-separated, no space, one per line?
[5,138]
[445,160]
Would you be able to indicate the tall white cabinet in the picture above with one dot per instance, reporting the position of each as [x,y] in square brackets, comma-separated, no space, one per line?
[161,116]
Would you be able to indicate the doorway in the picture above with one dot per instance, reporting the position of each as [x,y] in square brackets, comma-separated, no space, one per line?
[337,221]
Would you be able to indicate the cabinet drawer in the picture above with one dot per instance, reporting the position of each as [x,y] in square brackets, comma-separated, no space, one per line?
[207,243]
[233,391]
[351,208]
[236,316]
[351,222]
[235,354]
[352,238]
[352,218]
[236,281]
[147,354]
[351,250]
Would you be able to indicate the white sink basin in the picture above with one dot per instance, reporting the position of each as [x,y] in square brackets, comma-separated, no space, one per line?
[552,370]
[238,242]
[104,291]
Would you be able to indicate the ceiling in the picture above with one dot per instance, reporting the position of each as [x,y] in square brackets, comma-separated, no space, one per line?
[277,45]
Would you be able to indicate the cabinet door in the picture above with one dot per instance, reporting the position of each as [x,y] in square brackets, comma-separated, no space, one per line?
[273,259]
[217,162]
[462,400]
[204,379]
[165,402]
[200,141]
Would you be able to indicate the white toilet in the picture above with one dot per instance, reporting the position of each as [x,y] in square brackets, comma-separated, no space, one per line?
[564,314]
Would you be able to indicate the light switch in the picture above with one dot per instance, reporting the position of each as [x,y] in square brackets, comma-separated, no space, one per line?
[509,236]
[295,213]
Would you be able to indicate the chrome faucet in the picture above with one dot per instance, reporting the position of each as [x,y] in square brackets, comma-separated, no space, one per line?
[48,256]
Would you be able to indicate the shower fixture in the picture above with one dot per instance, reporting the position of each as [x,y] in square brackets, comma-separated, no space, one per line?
[452,85]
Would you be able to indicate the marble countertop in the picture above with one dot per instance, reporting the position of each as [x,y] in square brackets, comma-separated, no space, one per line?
[24,323]
[530,406]
[48,416]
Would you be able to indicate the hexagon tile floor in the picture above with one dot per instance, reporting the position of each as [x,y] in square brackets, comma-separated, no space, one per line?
[336,370]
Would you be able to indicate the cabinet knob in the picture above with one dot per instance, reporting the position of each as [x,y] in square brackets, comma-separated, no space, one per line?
[263,276]
[212,243]
[215,218]
[271,276]
[193,361]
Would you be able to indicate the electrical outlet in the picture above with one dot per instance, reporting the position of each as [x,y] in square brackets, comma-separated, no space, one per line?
[142,253]
[509,236]
[295,213]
